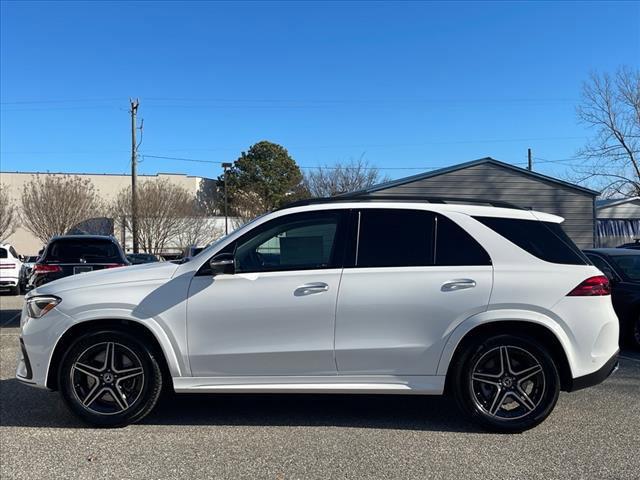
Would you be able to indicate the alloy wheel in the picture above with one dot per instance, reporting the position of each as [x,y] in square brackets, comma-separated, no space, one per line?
[107,378]
[507,382]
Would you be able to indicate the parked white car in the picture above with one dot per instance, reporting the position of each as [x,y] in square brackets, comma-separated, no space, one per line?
[10,265]
[493,305]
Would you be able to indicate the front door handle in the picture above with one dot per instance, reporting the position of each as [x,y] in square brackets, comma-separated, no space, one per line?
[458,284]
[309,288]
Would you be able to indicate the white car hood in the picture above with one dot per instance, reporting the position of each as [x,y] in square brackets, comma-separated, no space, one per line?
[136,273]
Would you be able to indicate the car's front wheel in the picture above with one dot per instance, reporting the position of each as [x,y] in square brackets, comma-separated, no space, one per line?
[109,378]
[506,383]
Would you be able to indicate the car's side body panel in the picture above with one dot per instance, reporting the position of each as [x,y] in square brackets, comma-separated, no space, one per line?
[402,330]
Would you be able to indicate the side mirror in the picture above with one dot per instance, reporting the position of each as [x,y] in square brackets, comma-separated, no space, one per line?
[223,263]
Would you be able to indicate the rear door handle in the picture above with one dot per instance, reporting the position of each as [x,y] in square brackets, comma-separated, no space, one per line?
[309,288]
[458,284]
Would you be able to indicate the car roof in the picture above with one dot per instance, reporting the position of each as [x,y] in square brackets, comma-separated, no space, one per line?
[472,209]
[613,251]
[84,237]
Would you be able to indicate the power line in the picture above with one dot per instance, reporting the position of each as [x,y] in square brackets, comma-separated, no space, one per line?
[304,167]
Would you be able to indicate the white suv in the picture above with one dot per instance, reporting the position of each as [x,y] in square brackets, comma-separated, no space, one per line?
[493,305]
[10,265]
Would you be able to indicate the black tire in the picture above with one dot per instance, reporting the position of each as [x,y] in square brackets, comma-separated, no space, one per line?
[15,290]
[515,400]
[85,372]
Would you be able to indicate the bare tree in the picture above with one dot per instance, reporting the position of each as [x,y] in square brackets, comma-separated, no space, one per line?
[52,204]
[8,214]
[611,107]
[197,229]
[342,178]
[247,205]
[162,209]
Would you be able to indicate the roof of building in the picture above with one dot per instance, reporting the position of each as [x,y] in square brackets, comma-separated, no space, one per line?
[460,166]
[611,202]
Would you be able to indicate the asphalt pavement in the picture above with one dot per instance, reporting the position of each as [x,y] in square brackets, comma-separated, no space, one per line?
[593,433]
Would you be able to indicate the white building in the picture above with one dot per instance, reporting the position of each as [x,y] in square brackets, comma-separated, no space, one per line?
[108,186]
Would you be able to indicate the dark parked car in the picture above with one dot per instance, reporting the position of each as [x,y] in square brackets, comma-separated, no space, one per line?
[25,270]
[622,267]
[73,254]
[634,245]
[140,258]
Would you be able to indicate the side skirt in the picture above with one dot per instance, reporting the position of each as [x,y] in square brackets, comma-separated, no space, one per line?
[389,384]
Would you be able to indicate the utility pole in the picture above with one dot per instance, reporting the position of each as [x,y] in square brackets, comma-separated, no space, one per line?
[226,216]
[134,174]
[529,158]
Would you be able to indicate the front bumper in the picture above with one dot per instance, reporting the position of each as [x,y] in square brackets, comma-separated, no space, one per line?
[38,338]
[599,376]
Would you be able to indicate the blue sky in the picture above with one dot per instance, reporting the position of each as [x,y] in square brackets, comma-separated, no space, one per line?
[407,85]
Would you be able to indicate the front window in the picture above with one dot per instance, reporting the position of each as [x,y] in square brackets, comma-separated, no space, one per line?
[295,242]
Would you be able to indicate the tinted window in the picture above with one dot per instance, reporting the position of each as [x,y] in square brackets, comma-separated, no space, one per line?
[601,264]
[13,252]
[395,238]
[3,253]
[629,265]
[295,242]
[545,240]
[454,246]
[82,250]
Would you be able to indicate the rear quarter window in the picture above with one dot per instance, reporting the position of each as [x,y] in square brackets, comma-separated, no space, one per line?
[3,253]
[544,240]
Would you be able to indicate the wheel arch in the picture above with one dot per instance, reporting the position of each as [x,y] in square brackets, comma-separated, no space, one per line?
[536,330]
[140,330]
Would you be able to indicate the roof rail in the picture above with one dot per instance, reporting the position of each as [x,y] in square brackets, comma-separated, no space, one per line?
[399,198]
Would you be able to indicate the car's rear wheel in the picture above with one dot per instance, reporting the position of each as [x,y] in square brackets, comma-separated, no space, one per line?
[110,378]
[506,383]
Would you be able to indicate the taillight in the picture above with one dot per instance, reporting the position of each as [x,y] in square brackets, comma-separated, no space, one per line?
[113,265]
[41,268]
[593,286]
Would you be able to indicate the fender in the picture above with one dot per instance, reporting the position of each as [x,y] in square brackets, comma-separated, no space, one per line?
[547,319]
[176,362]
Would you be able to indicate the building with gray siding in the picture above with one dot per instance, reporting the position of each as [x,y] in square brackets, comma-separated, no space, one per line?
[618,221]
[491,179]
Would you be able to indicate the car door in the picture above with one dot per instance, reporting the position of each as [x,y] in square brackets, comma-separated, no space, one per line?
[276,314]
[411,276]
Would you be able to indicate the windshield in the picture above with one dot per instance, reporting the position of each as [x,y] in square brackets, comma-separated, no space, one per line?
[629,265]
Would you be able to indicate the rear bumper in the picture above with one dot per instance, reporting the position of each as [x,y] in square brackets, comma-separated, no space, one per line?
[596,377]
[7,282]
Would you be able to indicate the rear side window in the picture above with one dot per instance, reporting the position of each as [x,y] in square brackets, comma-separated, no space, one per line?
[394,238]
[81,250]
[3,253]
[456,247]
[544,240]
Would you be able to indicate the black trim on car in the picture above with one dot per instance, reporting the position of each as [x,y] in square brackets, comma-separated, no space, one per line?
[596,377]
[27,363]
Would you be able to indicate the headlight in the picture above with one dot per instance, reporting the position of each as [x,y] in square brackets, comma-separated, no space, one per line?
[38,306]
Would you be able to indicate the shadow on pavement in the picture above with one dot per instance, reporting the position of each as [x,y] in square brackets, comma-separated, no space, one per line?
[10,318]
[24,406]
